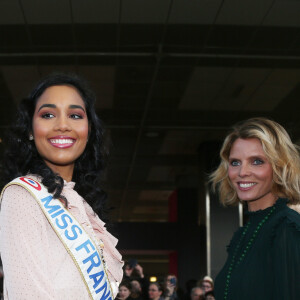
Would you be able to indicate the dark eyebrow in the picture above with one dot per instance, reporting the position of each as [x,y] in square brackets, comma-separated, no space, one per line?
[47,105]
[54,106]
[77,106]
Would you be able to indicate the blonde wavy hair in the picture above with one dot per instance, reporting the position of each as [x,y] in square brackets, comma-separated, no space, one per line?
[282,154]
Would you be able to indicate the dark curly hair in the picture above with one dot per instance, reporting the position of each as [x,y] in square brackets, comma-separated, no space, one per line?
[21,156]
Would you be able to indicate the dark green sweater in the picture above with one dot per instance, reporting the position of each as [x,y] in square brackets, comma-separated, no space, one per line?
[270,266]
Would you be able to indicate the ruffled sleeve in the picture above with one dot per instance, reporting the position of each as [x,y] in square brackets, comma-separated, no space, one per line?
[93,225]
[286,257]
[112,256]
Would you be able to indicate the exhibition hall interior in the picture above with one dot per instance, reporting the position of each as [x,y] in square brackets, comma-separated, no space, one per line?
[171,78]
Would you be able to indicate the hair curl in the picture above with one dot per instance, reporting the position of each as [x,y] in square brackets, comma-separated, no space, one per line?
[21,156]
[282,154]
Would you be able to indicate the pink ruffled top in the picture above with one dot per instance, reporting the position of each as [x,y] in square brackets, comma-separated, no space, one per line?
[36,264]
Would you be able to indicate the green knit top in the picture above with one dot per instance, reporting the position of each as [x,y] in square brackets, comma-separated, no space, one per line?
[263,257]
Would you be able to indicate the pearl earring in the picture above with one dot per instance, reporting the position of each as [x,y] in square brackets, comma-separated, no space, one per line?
[31,137]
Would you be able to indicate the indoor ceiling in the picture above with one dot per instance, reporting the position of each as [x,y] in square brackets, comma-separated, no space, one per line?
[169,76]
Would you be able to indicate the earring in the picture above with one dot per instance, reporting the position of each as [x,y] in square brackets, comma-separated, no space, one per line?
[31,137]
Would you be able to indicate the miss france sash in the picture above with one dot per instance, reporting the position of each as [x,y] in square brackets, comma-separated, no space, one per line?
[79,245]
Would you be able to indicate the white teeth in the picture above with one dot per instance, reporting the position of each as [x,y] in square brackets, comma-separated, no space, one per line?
[62,141]
[246,185]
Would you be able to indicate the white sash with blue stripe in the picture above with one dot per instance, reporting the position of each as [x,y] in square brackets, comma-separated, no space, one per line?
[77,242]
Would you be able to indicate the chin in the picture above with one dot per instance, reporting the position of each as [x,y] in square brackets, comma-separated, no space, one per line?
[246,199]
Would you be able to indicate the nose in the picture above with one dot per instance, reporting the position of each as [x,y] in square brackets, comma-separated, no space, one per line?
[62,124]
[244,170]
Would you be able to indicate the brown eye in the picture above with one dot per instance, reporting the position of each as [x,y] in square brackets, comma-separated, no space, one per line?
[47,116]
[76,116]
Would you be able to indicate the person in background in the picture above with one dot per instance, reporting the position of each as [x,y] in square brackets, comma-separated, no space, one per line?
[124,290]
[156,291]
[170,283]
[210,295]
[260,167]
[134,271]
[206,284]
[191,283]
[136,290]
[197,293]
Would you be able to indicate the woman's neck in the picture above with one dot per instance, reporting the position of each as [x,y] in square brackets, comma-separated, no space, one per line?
[261,203]
[65,172]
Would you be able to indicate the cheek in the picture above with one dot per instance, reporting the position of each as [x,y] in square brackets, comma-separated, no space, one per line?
[83,131]
[232,173]
[123,292]
[38,129]
[266,174]
[39,133]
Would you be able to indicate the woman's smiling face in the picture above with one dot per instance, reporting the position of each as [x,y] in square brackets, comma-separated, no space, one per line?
[60,127]
[251,173]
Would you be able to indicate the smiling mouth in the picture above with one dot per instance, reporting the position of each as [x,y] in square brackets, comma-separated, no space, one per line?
[246,185]
[62,142]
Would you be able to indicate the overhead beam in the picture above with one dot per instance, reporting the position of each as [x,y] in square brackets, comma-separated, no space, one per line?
[157,160]
[137,186]
[149,54]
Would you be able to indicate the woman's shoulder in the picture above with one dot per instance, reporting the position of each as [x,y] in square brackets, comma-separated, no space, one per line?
[21,184]
[18,204]
[25,180]
[17,195]
[12,189]
[288,215]
[286,224]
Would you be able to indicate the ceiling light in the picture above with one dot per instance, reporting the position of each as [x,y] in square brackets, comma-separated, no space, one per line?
[153,279]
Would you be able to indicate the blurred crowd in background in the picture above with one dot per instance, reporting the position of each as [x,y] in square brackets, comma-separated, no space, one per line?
[137,286]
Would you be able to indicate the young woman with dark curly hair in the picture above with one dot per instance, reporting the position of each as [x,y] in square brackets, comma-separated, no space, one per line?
[53,243]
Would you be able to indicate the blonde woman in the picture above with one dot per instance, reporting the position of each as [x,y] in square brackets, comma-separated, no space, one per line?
[260,167]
